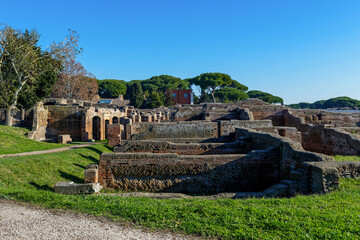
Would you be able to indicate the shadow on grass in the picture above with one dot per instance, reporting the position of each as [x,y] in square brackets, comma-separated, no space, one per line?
[91,158]
[80,166]
[70,177]
[42,187]
[94,149]
[109,147]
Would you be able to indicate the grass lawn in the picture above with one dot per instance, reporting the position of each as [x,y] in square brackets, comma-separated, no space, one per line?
[332,216]
[14,140]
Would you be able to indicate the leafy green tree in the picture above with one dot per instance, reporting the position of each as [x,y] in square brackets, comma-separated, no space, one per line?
[210,82]
[229,94]
[155,100]
[33,93]
[22,62]
[136,94]
[111,88]
[341,102]
[163,83]
[266,97]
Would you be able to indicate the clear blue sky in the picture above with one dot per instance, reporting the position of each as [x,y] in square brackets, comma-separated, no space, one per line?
[301,50]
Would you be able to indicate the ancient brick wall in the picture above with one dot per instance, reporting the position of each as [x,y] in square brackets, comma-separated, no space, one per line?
[64,120]
[40,122]
[189,174]
[322,139]
[292,155]
[193,129]
[186,148]
[324,176]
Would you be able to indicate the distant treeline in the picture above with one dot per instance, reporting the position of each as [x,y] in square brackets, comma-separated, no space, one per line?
[152,92]
[338,102]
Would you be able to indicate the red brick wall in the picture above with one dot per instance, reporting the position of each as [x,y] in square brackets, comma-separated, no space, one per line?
[180,96]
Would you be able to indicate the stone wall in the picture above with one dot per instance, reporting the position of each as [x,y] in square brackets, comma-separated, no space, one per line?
[64,120]
[227,128]
[324,176]
[186,148]
[40,122]
[201,174]
[323,139]
[292,155]
[193,129]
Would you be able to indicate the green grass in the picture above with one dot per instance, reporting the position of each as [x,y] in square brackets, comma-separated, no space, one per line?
[346,158]
[14,140]
[332,216]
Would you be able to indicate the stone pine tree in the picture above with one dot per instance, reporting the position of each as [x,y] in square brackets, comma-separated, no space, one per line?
[136,94]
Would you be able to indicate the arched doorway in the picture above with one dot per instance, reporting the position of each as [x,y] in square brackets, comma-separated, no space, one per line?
[106,128]
[96,131]
[115,120]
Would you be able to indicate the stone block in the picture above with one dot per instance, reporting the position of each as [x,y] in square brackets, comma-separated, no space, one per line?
[71,188]
[64,139]
[91,173]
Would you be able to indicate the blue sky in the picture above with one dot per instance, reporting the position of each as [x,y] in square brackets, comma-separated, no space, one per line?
[300,50]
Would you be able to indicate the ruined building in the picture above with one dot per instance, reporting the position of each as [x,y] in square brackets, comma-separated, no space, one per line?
[249,148]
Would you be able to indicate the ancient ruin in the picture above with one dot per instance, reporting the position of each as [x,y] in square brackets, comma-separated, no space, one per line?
[250,148]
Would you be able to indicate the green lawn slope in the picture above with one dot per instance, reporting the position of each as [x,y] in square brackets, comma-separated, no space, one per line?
[331,216]
[14,140]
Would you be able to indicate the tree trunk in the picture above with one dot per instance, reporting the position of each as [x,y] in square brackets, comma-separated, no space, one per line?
[213,96]
[8,117]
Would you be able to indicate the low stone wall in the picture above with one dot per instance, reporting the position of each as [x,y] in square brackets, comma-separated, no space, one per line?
[323,139]
[193,129]
[292,155]
[237,147]
[189,173]
[227,128]
[324,176]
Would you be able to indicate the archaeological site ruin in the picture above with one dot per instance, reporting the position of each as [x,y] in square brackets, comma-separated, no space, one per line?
[249,148]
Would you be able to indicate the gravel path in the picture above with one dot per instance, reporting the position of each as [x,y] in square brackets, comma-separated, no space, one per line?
[20,221]
[49,151]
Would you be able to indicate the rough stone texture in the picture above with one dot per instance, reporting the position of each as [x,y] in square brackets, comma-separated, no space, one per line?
[63,120]
[324,176]
[64,139]
[227,128]
[189,173]
[292,154]
[237,147]
[91,173]
[71,188]
[194,129]
[115,134]
[322,139]
[39,128]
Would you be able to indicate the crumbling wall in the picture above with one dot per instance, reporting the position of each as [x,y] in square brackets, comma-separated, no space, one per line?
[292,155]
[40,122]
[189,174]
[324,176]
[323,139]
[64,120]
[193,129]
[187,148]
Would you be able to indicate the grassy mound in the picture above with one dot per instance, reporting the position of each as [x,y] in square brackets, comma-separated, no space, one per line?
[14,140]
[331,216]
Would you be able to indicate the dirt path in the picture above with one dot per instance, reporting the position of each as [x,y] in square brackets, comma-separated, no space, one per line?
[20,221]
[48,151]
